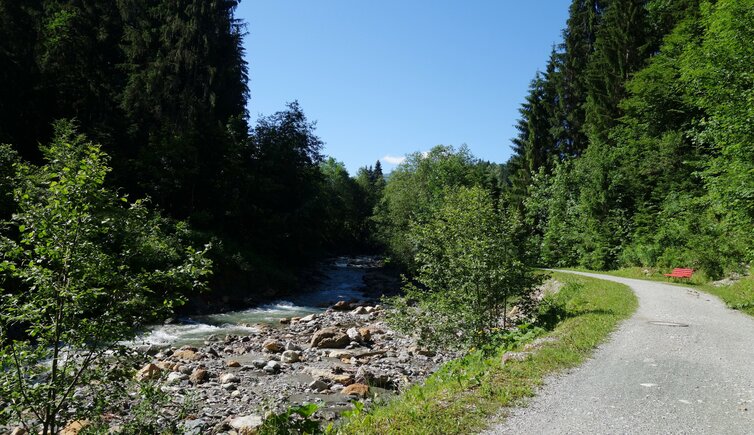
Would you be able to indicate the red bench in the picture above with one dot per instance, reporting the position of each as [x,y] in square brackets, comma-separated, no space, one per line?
[680,273]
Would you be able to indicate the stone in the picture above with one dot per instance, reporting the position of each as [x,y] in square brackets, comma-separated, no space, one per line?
[366,334]
[272,367]
[233,363]
[337,378]
[246,425]
[187,354]
[284,321]
[259,363]
[176,378]
[359,311]
[165,365]
[198,376]
[148,372]
[292,346]
[515,356]
[74,427]
[359,390]
[235,393]
[340,354]
[229,387]
[308,318]
[342,306]
[19,431]
[330,338]
[193,427]
[272,346]
[290,356]
[354,335]
[229,378]
[318,385]
[375,379]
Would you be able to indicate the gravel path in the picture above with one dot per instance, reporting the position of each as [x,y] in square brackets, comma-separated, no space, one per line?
[654,379]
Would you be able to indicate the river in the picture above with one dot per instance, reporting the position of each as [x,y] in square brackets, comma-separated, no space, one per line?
[342,280]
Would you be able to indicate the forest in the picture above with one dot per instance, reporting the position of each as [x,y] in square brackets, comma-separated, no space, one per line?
[130,162]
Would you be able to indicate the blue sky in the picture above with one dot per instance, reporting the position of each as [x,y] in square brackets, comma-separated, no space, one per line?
[386,78]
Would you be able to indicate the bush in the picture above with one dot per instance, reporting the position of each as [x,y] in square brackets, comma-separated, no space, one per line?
[86,260]
[468,272]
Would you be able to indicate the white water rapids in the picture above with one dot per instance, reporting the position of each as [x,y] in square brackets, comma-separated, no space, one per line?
[343,281]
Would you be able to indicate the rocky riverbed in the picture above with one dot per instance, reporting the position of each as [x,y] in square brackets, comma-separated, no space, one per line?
[344,354]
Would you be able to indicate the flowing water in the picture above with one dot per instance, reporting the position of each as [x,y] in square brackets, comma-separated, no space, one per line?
[343,280]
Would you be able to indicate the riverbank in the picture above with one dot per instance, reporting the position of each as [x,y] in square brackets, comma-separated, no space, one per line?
[346,353]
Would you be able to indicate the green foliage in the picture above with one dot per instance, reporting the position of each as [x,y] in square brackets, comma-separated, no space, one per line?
[293,421]
[665,178]
[92,268]
[468,272]
[463,395]
[156,411]
[8,165]
[416,187]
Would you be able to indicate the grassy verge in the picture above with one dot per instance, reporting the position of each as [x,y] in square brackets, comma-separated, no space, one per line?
[738,295]
[462,395]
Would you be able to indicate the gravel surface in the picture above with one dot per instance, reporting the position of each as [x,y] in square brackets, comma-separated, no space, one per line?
[654,378]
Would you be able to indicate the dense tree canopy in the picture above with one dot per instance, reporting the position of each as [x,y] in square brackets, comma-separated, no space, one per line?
[662,177]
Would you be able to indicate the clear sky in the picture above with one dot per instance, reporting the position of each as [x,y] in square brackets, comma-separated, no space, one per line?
[385,78]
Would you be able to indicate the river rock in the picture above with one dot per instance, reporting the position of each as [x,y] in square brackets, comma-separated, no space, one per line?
[272,367]
[74,427]
[342,306]
[292,346]
[187,354]
[290,356]
[148,372]
[259,363]
[198,376]
[308,318]
[246,425]
[340,354]
[354,335]
[374,378]
[358,390]
[366,334]
[233,363]
[272,346]
[330,338]
[193,427]
[337,378]
[229,378]
[318,385]
[176,378]
[359,311]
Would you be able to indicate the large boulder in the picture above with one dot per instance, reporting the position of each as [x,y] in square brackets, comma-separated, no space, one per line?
[342,306]
[331,338]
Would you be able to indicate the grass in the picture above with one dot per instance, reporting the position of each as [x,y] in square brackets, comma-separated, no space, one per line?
[739,295]
[465,393]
